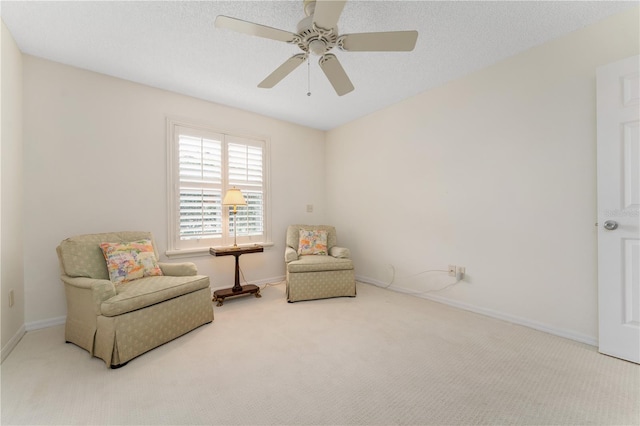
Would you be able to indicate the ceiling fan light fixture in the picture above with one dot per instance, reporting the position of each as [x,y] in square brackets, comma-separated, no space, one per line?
[318,47]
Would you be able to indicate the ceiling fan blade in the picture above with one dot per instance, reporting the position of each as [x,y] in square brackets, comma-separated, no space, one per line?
[327,13]
[394,41]
[282,71]
[335,73]
[254,29]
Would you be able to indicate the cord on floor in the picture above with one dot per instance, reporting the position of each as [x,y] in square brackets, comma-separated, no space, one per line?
[263,287]
[410,291]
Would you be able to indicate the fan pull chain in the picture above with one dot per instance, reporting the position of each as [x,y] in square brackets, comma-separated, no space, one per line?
[308,76]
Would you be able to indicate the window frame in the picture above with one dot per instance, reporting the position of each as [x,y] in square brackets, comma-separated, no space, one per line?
[195,247]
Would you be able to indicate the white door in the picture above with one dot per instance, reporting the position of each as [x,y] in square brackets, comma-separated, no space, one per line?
[618,94]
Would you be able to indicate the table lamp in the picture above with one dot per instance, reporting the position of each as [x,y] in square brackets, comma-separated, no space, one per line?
[234,198]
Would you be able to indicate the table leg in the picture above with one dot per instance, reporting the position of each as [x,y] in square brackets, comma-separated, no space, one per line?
[237,287]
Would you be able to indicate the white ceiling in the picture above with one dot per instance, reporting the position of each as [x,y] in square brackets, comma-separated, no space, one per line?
[174,45]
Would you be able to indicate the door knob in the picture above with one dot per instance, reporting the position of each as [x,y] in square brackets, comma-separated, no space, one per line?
[610,225]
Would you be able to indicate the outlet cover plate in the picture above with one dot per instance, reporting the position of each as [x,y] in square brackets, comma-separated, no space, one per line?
[452,270]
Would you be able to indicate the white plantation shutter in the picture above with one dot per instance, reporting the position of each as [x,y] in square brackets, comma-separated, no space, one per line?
[245,164]
[249,217]
[200,197]
[204,165]
[245,172]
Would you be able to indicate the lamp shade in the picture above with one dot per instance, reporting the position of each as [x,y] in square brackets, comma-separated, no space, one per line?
[234,197]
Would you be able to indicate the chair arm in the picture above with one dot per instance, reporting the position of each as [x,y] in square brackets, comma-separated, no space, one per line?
[184,269]
[100,290]
[290,254]
[340,252]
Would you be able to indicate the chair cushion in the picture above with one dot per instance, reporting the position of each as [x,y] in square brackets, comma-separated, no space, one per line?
[148,291]
[314,263]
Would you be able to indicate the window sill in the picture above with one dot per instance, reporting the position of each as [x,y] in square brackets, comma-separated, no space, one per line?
[204,251]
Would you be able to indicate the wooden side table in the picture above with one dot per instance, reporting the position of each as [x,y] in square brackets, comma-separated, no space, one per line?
[237,289]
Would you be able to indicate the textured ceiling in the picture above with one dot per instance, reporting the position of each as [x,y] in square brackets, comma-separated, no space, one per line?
[174,45]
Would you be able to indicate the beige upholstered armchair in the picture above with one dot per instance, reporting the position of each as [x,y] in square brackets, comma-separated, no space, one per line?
[119,321]
[317,268]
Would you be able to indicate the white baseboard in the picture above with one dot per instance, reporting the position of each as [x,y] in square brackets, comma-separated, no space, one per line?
[30,326]
[51,322]
[568,334]
[11,344]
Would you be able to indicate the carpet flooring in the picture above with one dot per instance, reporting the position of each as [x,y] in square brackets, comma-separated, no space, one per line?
[382,358]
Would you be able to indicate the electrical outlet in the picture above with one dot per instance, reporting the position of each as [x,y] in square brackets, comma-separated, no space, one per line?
[452,270]
[12,298]
[309,208]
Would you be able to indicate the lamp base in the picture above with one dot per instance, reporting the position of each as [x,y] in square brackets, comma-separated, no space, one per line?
[235,227]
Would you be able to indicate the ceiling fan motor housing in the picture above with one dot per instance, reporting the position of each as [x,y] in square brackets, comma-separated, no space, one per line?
[314,39]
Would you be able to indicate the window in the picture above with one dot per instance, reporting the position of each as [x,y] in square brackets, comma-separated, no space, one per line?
[203,165]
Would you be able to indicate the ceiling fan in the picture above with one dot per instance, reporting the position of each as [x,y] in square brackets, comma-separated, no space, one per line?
[317,34]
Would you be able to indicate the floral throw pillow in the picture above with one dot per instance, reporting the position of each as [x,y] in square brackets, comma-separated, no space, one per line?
[312,242]
[130,261]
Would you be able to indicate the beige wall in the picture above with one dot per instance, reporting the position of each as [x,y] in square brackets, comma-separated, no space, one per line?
[95,161]
[495,172]
[11,195]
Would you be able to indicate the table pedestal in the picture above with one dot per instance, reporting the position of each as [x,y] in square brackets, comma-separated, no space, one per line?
[237,289]
[220,295]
